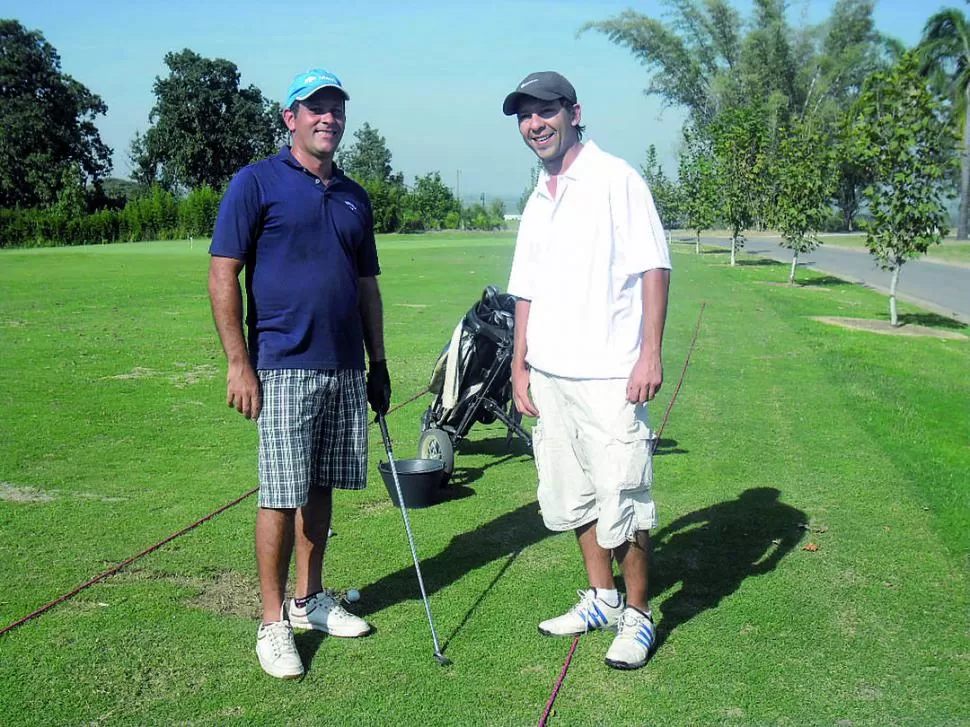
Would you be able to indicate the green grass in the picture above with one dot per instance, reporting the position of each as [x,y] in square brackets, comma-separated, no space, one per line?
[787,431]
[949,251]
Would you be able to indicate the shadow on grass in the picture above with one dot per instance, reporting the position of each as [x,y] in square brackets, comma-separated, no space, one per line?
[504,537]
[930,320]
[758,262]
[498,445]
[668,446]
[824,281]
[711,551]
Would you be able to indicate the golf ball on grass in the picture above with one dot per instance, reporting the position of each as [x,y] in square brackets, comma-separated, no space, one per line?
[353,595]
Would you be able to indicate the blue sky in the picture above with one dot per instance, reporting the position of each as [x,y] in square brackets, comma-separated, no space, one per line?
[430,76]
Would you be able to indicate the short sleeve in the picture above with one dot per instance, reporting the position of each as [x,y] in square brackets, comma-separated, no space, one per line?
[368,265]
[640,238]
[520,278]
[239,218]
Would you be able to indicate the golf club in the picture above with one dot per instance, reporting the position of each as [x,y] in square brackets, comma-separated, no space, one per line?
[441,658]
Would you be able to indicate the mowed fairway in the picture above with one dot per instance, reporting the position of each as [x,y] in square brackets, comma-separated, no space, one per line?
[787,433]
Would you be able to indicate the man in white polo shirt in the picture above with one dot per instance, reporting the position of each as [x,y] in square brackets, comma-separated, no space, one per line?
[591,272]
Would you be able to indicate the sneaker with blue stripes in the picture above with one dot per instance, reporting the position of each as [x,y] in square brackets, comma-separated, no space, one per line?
[635,637]
[589,614]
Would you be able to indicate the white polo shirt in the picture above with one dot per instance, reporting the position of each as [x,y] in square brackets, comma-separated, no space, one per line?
[579,259]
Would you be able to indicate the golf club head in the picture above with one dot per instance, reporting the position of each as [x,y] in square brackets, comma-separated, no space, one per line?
[442,659]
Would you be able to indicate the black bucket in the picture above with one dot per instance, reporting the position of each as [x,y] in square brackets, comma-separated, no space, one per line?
[420,481]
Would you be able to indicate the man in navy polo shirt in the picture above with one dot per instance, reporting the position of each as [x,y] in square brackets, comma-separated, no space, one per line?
[304,233]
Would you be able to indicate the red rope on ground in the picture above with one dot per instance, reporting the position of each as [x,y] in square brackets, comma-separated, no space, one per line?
[121,565]
[407,401]
[683,373]
[555,689]
[159,544]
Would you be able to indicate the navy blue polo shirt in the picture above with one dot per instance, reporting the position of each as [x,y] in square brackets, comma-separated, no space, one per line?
[305,244]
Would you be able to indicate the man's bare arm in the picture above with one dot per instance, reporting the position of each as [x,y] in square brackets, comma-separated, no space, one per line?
[648,375]
[225,295]
[520,370]
[372,317]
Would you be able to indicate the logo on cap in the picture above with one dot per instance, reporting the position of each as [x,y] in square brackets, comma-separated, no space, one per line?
[306,84]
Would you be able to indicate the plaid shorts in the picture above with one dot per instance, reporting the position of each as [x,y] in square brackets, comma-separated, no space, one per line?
[312,433]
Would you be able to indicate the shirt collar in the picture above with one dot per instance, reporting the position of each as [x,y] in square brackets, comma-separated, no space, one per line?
[580,167]
[286,156]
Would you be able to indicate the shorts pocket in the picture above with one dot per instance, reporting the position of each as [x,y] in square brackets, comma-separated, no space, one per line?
[536,446]
[630,463]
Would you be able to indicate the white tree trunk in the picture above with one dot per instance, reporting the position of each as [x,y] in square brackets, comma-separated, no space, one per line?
[893,320]
[794,263]
[964,214]
[697,242]
[734,249]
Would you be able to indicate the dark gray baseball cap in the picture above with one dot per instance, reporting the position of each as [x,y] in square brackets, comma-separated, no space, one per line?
[543,85]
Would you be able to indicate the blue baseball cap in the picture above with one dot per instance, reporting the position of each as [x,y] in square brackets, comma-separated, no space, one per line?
[306,84]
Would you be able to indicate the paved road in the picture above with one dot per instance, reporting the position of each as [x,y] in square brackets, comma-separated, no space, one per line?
[943,289]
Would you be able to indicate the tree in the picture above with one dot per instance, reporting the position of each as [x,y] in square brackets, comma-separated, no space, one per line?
[533,181]
[850,176]
[851,50]
[368,157]
[480,216]
[71,202]
[702,58]
[387,202]
[945,54]
[698,183]
[428,203]
[739,142]
[804,169]
[666,196]
[205,127]
[117,188]
[902,135]
[692,58]
[772,56]
[368,160]
[46,121]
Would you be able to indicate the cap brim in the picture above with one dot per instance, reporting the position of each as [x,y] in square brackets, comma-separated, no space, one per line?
[511,103]
[306,95]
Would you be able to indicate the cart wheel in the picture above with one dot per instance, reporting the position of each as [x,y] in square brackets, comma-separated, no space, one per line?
[436,444]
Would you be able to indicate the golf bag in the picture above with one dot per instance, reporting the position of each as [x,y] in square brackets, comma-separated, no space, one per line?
[472,380]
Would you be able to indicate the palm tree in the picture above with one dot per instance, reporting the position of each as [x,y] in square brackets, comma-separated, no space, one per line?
[945,52]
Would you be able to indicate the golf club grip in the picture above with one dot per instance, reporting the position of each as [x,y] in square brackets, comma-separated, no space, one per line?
[385,436]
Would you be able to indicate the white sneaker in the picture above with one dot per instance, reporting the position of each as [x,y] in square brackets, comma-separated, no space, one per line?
[324,613]
[277,652]
[635,637]
[589,614]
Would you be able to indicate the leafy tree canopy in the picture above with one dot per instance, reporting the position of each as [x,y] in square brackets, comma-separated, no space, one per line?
[204,127]
[46,122]
[368,158]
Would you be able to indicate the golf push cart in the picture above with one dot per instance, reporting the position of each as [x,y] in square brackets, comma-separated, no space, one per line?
[472,381]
